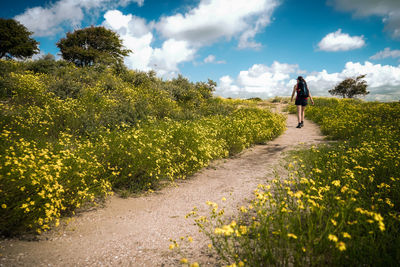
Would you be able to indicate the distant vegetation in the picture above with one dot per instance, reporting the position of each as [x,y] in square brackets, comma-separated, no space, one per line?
[351,87]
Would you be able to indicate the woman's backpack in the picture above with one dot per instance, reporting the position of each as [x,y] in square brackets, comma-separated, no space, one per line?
[302,89]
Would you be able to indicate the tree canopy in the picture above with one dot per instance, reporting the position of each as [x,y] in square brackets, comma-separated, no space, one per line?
[351,87]
[91,45]
[15,40]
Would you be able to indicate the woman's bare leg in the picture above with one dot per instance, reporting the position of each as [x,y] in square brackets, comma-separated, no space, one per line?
[299,111]
[303,108]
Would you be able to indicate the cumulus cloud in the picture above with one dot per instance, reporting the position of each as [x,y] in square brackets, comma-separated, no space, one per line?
[279,78]
[227,88]
[338,41]
[387,52]
[383,80]
[50,20]
[260,81]
[166,59]
[137,35]
[389,10]
[215,19]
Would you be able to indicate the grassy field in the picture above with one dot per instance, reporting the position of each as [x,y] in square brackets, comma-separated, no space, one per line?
[339,204]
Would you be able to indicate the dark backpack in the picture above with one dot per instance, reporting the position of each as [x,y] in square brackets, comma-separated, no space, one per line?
[302,89]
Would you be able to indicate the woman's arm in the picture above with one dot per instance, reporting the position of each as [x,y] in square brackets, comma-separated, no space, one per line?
[294,90]
[312,101]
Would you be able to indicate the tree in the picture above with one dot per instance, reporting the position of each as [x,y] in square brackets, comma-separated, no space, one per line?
[15,40]
[351,87]
[206,89]
[88,46]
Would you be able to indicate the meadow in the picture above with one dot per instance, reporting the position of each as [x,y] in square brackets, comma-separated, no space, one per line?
[72,136]
[338,204]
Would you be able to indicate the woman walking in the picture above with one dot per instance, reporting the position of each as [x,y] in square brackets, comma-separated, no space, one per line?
[302,94]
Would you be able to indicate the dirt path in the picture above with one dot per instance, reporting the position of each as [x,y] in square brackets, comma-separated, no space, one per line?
[136,231]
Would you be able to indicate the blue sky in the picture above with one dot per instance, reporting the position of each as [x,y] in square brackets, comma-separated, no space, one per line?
[250,48]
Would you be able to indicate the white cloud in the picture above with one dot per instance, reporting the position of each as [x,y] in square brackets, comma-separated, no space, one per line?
[227,88]
[209,59]
[137,35]
[383,80]
[260,81]
[245,39]
[215,19]
[212,59]
[338,41]
[387,52]
[389,10]
[166,59]
[117,20]
[278,80]
[50,20]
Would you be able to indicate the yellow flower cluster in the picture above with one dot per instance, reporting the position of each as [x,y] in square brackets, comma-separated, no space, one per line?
[339,200]
[38,185]
[166,149]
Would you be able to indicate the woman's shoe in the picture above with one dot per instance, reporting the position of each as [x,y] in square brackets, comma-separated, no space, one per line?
[299,125]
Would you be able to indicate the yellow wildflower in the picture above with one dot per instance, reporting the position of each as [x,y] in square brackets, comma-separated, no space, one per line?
[346,235]
[341,246]
[290,235]
[333,238]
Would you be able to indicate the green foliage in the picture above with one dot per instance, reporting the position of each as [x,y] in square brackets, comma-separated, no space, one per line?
[339,205]
[69,135]
[15,40]
[46,64]
[92,45]
[279,99]
[165,149]
[41,183]
[351,87]
[255,99]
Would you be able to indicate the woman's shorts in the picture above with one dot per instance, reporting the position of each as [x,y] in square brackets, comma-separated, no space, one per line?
[301,101]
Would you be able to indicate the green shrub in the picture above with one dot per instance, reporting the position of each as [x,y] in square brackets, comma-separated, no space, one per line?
[339,204]
[41,183]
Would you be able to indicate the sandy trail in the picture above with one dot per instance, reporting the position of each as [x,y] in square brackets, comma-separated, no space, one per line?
[136,231]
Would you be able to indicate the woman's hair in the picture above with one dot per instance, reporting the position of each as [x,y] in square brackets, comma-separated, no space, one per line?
[301,79]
